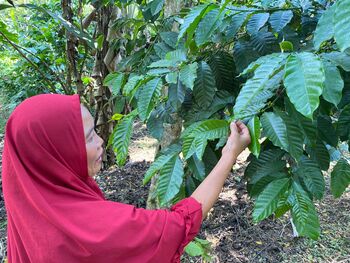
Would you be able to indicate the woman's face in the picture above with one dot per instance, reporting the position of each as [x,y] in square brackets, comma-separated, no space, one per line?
[93,143]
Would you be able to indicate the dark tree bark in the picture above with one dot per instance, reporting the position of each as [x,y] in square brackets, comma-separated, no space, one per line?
[73,73]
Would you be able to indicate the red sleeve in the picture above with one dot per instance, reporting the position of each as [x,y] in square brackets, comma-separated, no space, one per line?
[191,210]
[117,232]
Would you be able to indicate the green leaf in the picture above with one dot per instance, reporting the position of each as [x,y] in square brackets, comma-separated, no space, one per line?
[178,55]
[204,85]
[193,146]
[333,85]
[254,130]
[269,162]
[188,74]
[164,63]
[256,188]
[244,53]
[325,29]
[156,166]
[264,42]
[326,131]
[156,6]
[194,249]
[286,46]
[66,24]
[306,125]
[341,22]
[192,19]
[267,201]
[304,214]
[340,177]
[207,26]
[343,127]
[275,129]
[237,21]
[114,81]
[132,84]
[256,22]
[338,58]
[4,6]
[11,36]
[148,96]
[171,77]
[312,176]
[197,167]
[211,129]
[170,180]
[223,69]
[278,20]
[121,138]
[282,206]
[258,89]
[303,79]
[295,136]
[170,38]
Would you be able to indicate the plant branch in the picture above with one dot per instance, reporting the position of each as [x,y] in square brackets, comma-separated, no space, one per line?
[45,64]
[50,84]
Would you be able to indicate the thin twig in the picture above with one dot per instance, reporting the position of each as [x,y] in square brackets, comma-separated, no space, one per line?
[45,64]
[50,84]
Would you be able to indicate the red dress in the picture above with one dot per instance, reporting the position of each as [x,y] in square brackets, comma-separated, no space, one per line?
[57,213]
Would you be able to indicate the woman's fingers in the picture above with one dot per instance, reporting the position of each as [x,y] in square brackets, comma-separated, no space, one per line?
[242,128]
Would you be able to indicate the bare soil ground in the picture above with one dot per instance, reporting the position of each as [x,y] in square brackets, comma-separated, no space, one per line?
[229,227]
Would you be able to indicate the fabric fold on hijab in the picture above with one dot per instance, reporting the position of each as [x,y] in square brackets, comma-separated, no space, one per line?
[56,211]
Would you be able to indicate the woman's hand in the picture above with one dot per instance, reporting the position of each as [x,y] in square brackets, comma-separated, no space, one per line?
[238,140]
[208,191]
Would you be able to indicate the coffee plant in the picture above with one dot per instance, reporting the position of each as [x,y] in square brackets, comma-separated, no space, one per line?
[282,67]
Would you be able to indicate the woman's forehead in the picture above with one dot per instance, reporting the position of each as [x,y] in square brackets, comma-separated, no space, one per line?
[87,118]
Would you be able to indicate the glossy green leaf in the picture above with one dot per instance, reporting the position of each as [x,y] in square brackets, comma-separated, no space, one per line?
[256,22]
[121,138]
[340,177]
[258,89]
[275,129]
[254,130]
[303,79]
[266,203]
[149,93]
[312,176]
[326,131]
[304,213]
[278,20]
[192,19]
[269,162]
[188,74]
[211,129]
[341,22]
[333,85]
[197,167]
[338,58]
[204,85]
[295,136]
[325,29]
[343,127]
[170,180]
[114,81]
[206,27]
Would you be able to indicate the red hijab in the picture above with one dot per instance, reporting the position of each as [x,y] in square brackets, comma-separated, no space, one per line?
[57,213]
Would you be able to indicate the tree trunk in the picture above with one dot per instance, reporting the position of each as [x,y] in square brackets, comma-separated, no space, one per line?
[172,131]
[71,50]
[104,105]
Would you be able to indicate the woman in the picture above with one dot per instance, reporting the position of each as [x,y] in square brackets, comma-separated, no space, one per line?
[57,213]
